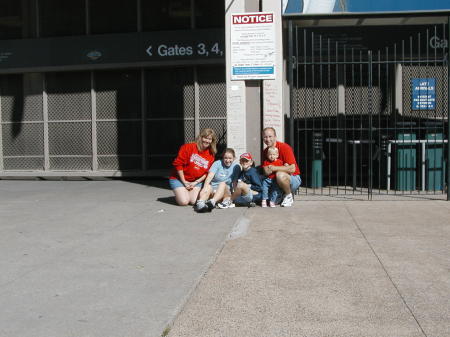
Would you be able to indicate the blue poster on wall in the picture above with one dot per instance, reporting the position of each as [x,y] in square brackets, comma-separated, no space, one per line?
[423,93]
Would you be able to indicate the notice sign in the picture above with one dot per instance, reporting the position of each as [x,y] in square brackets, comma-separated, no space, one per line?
[423,93]
[252,46]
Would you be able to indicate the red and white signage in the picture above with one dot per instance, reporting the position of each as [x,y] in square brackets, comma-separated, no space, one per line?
[252,18]
[253,53]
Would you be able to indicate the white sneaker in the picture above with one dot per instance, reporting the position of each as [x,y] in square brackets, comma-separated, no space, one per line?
[287,201]
[226,204]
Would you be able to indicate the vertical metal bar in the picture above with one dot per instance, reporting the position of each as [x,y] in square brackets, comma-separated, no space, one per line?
[443,102]
[1,131]
[345,120]
[389,111]
[379,122]
[144,119]
[196,102]
[193,23]
[38,19]
[45,119]
[448,112]
[396,117]
[354,153]
[94,123]
[290,76]
[305,68]
[313,88]
[370,93]
[338,133]
[329,113]
[321,96]
[361,120]
[139,15]
[411,115]
[88,17]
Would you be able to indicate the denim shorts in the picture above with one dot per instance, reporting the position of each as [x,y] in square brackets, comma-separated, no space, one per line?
[175,183]
[247,198]
[296,181]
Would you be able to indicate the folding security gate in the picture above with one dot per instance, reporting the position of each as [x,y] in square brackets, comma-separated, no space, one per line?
[369,108]
[107,122]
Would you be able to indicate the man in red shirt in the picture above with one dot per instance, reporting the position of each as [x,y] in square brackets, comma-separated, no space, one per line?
[288,175]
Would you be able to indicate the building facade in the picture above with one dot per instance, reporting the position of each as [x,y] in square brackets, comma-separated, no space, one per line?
[107,88]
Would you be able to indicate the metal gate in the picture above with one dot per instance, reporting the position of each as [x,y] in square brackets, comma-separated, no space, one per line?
[369,109]
[118,122]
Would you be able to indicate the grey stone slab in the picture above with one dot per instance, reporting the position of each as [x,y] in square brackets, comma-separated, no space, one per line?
[304,271]
[102,258]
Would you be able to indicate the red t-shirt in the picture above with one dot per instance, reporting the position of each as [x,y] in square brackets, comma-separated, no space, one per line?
[276,162]
[192,162]
[286,155]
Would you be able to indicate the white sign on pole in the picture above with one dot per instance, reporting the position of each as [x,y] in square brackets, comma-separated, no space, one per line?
[253,46]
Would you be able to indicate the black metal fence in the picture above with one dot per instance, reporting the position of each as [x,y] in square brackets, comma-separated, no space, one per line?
[369,109]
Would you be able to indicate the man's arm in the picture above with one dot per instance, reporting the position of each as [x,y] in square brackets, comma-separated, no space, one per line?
[271,169]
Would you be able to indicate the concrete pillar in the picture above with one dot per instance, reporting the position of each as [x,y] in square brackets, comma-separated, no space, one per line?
[243,97]
[274,106]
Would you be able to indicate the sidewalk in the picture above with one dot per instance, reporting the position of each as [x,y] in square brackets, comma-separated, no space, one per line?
[99,258]
[379,268]
[118,259]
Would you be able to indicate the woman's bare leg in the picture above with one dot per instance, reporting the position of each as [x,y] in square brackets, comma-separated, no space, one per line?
[182,196]
[193,195]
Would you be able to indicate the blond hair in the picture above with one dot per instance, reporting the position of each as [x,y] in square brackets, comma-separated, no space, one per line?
[207,133]
[272,149]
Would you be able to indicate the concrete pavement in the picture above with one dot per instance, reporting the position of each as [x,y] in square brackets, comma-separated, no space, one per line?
[379,268]
[118,259]
[99,258]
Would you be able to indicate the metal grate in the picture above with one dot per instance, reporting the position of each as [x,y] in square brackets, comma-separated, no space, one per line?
[212,92]
[119,138]
[69,96]
[23,139]
[118,94]
[70,138]
[119,131]
[360,145]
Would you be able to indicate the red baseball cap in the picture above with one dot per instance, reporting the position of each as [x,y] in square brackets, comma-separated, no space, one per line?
[247,156]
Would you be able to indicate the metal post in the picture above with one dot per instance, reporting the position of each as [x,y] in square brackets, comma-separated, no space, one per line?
[369,196]
[448,113]
[290,82]
[1,137]
[196,104]
[45,119]
[94,123]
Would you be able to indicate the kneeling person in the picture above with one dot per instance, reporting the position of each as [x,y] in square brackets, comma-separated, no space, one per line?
[288,175]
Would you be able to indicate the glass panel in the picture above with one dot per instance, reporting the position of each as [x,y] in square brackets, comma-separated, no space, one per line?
[166,15]
[62,18]
[209,14]
[121,16]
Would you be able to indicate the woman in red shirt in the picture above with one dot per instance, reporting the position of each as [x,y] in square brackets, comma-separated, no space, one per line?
[191,167]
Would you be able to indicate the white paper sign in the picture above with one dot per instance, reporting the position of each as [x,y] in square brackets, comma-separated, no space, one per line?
[252,46]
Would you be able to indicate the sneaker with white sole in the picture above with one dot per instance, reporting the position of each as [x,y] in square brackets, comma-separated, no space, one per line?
[272,204]
[263,203]
[287,201]
[225,204]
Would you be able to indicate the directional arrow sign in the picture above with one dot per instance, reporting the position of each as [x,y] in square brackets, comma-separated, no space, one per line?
[149,51]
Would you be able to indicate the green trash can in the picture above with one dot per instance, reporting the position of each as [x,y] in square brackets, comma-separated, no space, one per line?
[317,166]
[434,158]
[406,162]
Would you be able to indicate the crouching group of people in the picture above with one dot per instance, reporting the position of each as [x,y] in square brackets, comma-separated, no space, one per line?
[200,181]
